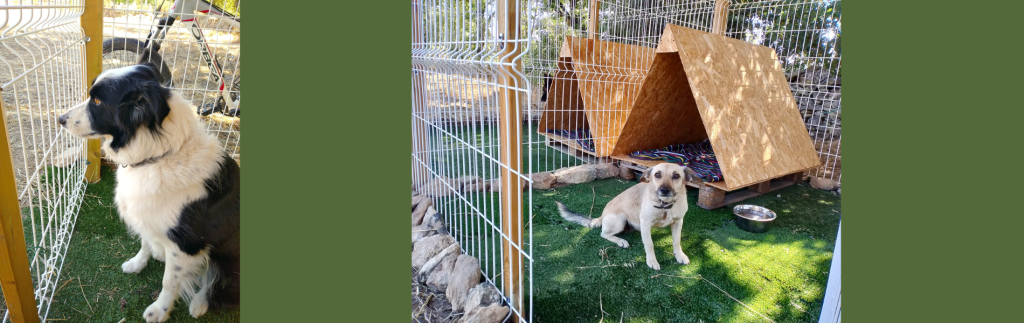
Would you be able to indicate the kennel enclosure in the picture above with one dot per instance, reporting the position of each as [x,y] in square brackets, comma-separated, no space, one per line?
[730,92]
[479,70]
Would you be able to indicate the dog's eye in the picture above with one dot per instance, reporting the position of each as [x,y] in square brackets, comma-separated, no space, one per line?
[657,175]
[675,176]
[97,101]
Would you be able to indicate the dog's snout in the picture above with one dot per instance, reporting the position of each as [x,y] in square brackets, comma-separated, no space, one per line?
[63,119]
[664,190]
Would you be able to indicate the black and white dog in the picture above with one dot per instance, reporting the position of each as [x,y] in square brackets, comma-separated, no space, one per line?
[176,189]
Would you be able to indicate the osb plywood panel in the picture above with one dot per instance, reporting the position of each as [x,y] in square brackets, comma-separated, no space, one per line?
[565,105]
[746,106]
[664,113]
[609,76]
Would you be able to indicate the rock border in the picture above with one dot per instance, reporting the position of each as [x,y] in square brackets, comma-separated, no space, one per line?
[442,186]
[440,265]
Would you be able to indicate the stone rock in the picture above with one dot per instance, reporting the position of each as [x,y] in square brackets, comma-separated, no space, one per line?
[416,200]
[542,180]
[429,247]
[495,185]
[438,277]
[483,295]
[431,225]
[464,182]
[824,184]
[478,186]
[437,187]
[626,174]
[606,170]
[490,314]
[421,210]
[576,175]
[465,276]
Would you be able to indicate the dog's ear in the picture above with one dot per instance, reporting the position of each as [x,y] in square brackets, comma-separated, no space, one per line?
[646,178]
[691,176]
[140,106]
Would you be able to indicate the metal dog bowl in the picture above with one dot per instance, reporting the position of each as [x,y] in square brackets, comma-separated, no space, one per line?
[753,218]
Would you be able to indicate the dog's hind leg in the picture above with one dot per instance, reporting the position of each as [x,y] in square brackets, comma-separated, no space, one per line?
[200,301]
[677,236]
[137,263]
[612,226]
[180,270]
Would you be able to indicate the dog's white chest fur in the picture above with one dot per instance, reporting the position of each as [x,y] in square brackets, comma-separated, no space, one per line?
[665,217]
[150,207]
[150,198]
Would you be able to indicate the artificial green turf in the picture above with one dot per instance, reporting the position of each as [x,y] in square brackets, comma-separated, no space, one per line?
[97,290]
[781,273]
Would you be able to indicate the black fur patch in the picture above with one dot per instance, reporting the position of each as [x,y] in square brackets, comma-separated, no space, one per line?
[129,103]
[213,220]
[213,223]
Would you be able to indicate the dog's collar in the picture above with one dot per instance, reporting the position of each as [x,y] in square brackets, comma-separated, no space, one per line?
[147,161]
[665,207]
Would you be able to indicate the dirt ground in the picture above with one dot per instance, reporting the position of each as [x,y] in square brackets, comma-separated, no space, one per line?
[429,306]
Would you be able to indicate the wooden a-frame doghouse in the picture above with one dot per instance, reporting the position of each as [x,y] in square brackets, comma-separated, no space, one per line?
[706,86]
[593,88]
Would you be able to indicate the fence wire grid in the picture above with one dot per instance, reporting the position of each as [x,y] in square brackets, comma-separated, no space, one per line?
[459,81]
[42,75]
[128,21]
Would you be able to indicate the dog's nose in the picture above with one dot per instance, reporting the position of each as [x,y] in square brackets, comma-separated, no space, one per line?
[63,119]
[664,191]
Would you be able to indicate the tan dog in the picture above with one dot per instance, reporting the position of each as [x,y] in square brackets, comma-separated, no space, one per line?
[658,201]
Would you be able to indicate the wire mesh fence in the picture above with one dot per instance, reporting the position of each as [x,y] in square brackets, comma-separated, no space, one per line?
[466,63]
[573,77]
[200,47]
[41,77]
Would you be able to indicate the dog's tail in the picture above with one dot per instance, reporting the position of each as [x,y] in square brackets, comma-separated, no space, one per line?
[576,217]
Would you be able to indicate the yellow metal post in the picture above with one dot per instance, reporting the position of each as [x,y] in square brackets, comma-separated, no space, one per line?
[721,12]
[594,18]
[15,279]
[420,144]
[510,116]
[92,24]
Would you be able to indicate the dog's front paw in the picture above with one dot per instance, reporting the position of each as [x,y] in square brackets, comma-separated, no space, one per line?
[682,258]
[157,312]
[198,306]
[653,263]
[623,244]
[134,265]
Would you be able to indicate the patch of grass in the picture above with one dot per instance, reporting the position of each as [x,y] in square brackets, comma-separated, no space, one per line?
[96,289]
[781,273]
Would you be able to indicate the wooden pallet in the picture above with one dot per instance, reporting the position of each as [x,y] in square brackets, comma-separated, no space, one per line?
[714,195]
